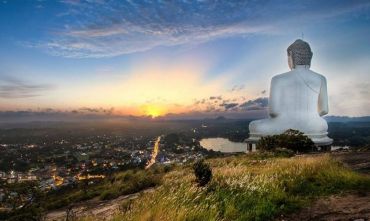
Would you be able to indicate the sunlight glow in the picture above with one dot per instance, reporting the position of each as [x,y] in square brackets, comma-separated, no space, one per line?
[153,110]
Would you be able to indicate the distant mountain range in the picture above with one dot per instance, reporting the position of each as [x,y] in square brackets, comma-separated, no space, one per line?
[59,116]
[347,119]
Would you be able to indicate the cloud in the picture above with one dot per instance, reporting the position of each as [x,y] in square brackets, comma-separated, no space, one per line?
[50,114]
[364,89]
[260,103]
[228,106]
[215,97]
[354,100]
[104,29]
[89,110]
[235,104]
[11,88]
[230,101]
[237,87]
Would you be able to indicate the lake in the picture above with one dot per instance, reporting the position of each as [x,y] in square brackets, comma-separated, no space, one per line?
[223,145]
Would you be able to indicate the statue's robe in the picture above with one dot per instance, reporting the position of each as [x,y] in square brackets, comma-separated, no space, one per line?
[297,101]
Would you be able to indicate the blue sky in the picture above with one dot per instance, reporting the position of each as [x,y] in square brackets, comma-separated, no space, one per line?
[139,57]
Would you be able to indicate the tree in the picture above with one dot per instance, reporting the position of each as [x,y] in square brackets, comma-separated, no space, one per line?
[296,141]
[268,143]
[203,172]
[290,139]
[26,201]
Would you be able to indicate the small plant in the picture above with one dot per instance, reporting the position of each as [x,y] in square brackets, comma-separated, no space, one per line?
[203,172]
[125,206]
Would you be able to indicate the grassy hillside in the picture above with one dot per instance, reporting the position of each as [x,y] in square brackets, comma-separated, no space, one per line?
[246,187]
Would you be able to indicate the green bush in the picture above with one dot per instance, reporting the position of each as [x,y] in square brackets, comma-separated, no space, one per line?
[268,143]
[291,139]
[203,172]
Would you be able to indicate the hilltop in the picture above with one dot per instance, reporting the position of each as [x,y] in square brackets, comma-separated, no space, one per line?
[259,186]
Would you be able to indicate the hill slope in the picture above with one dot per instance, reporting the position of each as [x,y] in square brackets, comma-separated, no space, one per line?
[246,187]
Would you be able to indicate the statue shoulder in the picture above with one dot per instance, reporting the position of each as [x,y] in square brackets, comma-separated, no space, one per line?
[283,75]
[280,76]
[320,76]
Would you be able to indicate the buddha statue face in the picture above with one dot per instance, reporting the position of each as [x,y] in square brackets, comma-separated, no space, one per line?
[299,53]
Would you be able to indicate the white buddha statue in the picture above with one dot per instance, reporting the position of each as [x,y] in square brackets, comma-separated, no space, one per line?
[298,99]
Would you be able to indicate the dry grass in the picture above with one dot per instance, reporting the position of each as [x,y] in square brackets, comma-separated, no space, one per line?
[245,188]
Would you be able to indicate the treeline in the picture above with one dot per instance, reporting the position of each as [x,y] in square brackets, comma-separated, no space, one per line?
[353,134]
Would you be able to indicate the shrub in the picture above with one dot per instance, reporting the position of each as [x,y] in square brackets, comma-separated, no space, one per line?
[268,143]
[296,141]
[291,139]
[203,172]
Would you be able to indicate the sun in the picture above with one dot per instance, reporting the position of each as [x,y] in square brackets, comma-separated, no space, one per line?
[153,111]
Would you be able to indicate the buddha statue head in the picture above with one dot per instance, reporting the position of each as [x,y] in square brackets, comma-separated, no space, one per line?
[299,53]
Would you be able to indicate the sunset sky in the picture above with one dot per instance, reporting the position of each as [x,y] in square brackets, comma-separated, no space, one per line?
[180,57]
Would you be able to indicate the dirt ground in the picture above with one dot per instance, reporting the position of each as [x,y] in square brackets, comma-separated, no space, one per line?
[349,206]
[359,161]
[100,210]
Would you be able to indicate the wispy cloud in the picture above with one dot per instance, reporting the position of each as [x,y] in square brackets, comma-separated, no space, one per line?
[11,88]
[111,28]
[238,87]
